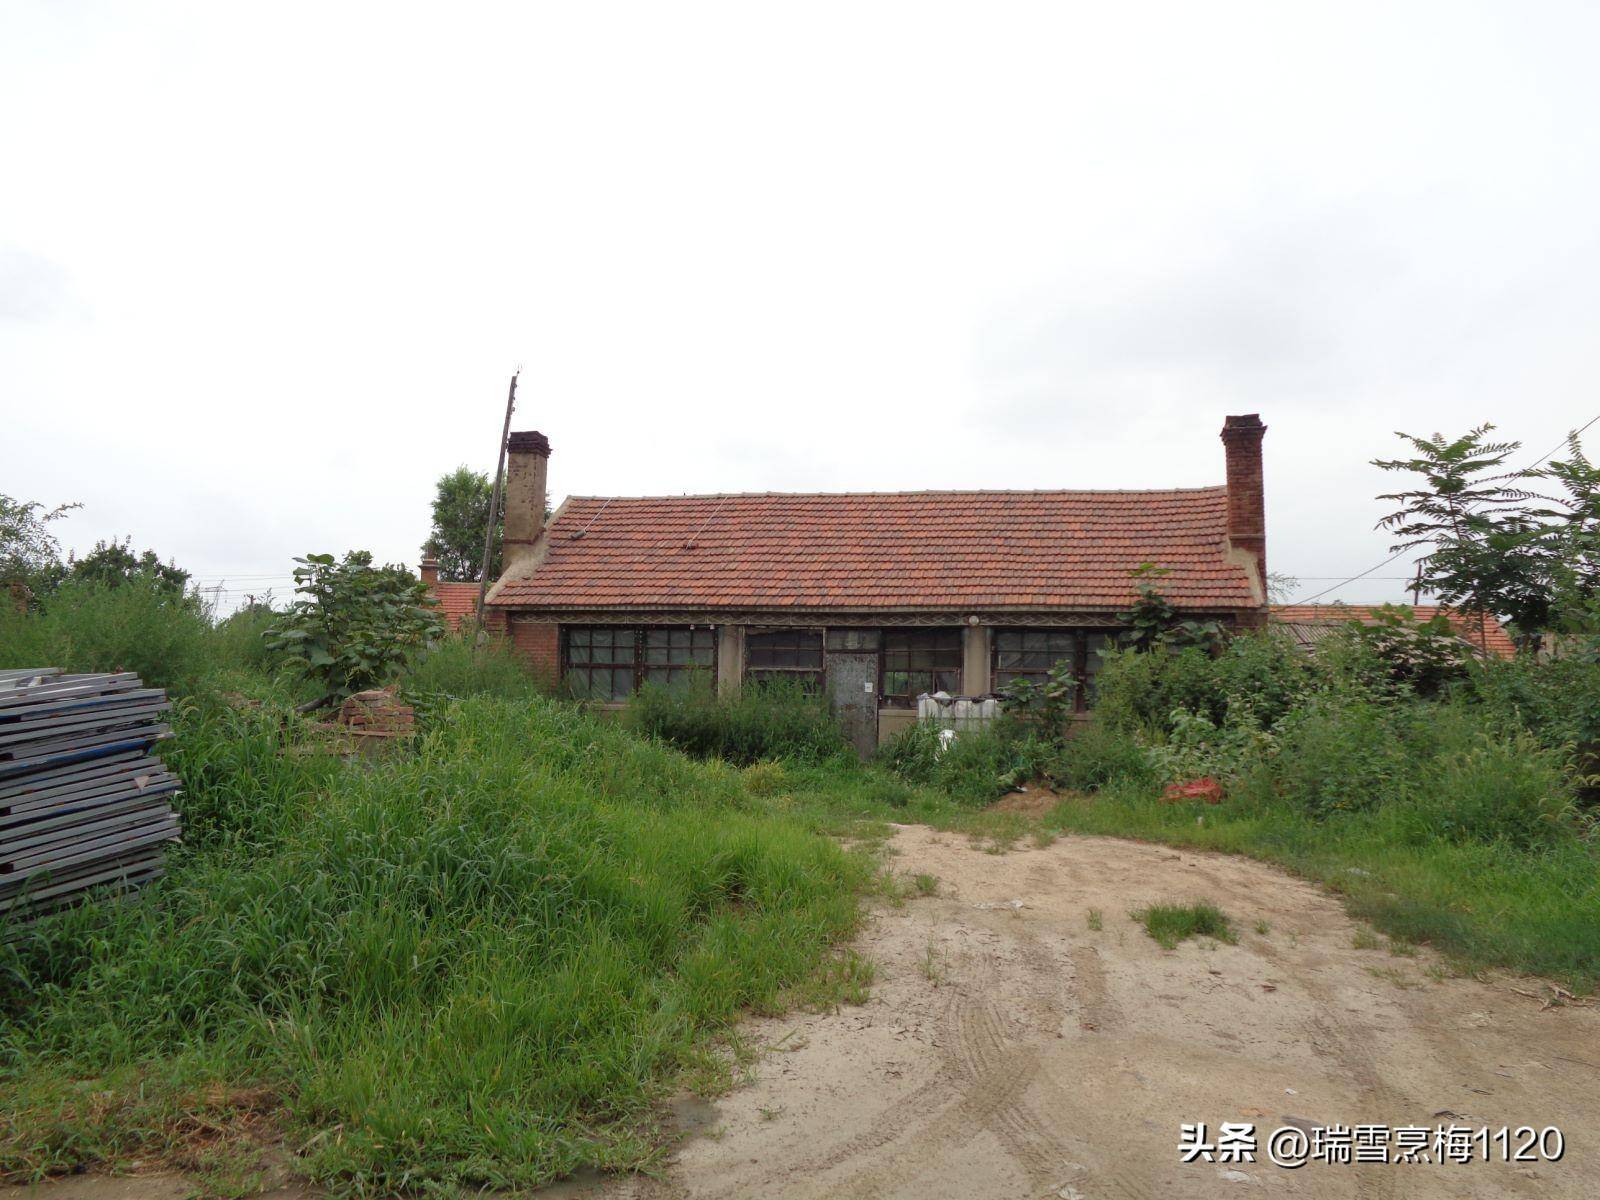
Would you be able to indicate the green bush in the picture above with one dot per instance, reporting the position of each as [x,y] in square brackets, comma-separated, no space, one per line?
[1341,757]
[1510,790]
[136,626]
[453,666]
[1557,701]
[977,767]
[771,721]
[241,639]
[1170,924]
[1095,755]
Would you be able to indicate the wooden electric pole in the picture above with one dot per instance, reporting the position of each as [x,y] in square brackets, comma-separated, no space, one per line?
[494,509]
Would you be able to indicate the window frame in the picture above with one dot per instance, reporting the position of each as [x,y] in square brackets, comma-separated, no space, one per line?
[813,679]
[639,664]
[1082,635]
[908,699]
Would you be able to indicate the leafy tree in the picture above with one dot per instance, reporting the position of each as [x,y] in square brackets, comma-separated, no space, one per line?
[460,511]
[1486,551]
[1572,541]
[1152,622]
[30,555]
[354,626]
[112,563]
[1426,655]
[1046,702]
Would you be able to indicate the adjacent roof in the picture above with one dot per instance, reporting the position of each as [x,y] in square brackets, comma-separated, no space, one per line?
[883,550]
[457,601]
[1311,618]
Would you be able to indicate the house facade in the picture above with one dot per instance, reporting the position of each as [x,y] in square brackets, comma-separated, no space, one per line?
[869,598]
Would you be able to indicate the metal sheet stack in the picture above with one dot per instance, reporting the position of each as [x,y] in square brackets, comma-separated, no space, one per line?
[83,802]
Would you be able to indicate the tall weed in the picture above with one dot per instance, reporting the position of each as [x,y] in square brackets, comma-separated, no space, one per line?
[772,721]
[477,962]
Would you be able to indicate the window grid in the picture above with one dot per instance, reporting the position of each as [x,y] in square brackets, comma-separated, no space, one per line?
[917,661]
[611,662]
[1029,654]
[792,654]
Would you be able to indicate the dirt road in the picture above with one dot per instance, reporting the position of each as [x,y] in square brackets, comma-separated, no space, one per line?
[1011,1050]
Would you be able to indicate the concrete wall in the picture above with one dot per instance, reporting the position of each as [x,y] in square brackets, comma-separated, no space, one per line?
[730,659]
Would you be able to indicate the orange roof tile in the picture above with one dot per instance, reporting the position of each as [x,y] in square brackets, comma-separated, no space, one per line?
[457,601]
[883,550]
[1496,639]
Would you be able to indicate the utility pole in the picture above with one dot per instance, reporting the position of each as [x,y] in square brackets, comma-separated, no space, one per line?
[494,508]
[1416,587]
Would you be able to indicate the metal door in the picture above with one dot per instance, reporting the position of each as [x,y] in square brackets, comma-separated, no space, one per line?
[853,695]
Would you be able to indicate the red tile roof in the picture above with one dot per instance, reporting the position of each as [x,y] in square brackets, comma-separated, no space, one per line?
[1496,639]
[456,601]
[883,550]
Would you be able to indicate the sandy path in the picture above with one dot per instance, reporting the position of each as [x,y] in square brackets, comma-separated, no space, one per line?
[1014,1052]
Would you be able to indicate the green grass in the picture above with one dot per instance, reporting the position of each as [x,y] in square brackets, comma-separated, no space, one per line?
[472,965]
[1170,924]
[1487,904]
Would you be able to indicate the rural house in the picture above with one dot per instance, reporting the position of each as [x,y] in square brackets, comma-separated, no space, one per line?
[872,598]
[1309,624]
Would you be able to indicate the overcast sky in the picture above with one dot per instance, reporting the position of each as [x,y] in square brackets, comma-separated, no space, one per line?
[265,269]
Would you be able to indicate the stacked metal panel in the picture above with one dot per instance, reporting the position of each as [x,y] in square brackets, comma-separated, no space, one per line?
[83,802]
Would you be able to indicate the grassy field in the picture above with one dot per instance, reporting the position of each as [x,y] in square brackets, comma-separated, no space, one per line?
[474,965]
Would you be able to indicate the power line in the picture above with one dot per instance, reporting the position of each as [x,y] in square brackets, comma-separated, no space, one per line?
[1353,578]
[1566,439]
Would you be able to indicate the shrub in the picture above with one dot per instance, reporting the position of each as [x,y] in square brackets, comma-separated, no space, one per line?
[1095,755]
[1509,790]
[777,720]
[137,626]
[1340,756]
[976,767]
[454,667]
[354,625]
[1195,748]
[1557,701]
[1256,676]
[241,637]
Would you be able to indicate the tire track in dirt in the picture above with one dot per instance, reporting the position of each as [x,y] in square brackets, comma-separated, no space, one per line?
[1011,1050]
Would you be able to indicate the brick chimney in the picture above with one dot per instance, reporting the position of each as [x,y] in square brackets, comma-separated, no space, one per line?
[527,465]
[429,572]
[1247,505]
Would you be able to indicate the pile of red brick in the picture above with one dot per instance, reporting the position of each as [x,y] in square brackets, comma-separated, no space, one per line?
[377,713]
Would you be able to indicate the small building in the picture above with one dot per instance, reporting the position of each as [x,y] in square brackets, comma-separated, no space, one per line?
[456,602]
[870,598]
[1308,624]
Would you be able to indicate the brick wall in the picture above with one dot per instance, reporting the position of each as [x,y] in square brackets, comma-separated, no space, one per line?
[538,644]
